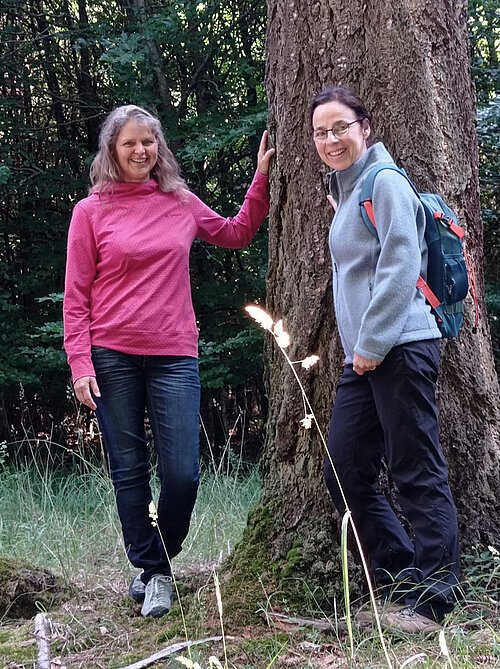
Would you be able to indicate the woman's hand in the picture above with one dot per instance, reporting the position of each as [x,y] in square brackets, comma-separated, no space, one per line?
[86,389]
[264,155]
[361,365]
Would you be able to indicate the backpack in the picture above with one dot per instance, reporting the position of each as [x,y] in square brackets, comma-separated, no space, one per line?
[447,267]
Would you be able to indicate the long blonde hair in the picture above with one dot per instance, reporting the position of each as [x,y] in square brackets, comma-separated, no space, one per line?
[104,170]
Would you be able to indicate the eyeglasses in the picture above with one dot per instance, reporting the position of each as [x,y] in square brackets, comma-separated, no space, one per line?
[338,130]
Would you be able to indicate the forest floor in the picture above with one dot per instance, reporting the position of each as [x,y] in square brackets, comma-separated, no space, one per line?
[100,627]
[66,522]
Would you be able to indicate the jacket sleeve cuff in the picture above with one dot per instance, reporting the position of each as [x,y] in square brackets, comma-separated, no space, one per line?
[81,366]
[259,188]
[369,354]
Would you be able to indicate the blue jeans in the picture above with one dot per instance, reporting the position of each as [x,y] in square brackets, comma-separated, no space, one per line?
[391,414]
[169,388]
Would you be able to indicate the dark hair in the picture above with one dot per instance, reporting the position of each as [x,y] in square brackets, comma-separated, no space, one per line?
[341,94]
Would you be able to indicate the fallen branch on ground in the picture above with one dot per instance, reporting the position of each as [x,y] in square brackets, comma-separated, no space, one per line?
[290,622]
[42,635]
[170,650]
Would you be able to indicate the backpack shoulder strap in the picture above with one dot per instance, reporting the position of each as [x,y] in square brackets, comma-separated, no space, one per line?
[368,217]
[367,213]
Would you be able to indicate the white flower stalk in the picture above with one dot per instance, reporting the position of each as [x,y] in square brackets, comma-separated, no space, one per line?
[307,421]
[282,337]
[309,362]
[218,597]
[153,514]
[261,316]
[283,340]
[214,662]
[265,320]
[188,663]
[443,646]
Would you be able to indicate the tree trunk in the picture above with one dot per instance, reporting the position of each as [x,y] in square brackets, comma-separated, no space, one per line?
[409,61]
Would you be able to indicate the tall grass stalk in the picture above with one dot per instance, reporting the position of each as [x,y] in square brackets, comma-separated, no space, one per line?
[282,339]
[345,578]
[153,514]
[219,608]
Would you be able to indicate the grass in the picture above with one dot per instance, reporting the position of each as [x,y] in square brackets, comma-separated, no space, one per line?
[63,520]
[67,522]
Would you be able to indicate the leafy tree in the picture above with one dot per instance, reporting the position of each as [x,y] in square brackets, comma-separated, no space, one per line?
[484,35]
[200,67]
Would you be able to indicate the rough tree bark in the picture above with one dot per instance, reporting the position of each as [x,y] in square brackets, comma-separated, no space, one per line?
[409,61]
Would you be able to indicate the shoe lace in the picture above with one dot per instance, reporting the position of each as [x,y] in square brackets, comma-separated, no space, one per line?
[407,612]
[161,586]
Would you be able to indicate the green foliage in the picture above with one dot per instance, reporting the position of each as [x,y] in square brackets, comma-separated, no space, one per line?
[481,570]
[200,67]
[488,130]
[484,36]
[231,360]
[493,306]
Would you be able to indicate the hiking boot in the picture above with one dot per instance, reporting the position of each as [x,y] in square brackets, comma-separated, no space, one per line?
[409,621]
[158,596]
[365,617]
[137,589]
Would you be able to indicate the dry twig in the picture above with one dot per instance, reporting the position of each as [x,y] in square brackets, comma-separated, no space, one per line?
[42,635]
[169,650]
[290,622]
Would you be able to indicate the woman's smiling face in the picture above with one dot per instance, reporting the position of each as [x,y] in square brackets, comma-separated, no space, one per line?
[136,152]
[339,153]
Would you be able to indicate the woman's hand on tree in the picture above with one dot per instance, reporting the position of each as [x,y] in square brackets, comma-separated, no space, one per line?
[86,389]
[264,155]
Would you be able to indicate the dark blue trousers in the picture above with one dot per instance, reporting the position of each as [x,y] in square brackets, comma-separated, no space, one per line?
[168,387]
[391,414]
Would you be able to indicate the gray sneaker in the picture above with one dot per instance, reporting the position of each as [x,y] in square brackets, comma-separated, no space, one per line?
[158,596]
[137,589]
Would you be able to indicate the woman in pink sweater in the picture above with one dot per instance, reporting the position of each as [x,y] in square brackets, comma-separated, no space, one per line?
[130,330]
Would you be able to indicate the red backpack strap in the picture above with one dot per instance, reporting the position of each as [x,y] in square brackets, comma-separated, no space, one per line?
[368,207]
[450,223]
[428,293]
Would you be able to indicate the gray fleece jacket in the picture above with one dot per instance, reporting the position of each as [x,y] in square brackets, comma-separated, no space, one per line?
[376,302]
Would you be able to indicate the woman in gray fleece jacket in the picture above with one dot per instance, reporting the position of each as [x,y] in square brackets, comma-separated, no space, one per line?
[385,405]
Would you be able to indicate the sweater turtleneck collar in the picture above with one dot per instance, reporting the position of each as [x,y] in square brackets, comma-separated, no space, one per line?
[343,181]
[127,188]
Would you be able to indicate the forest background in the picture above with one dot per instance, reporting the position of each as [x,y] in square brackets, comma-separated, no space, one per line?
[65,65]
[201,67]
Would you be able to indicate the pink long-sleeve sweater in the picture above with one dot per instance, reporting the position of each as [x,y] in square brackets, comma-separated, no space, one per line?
[127,274]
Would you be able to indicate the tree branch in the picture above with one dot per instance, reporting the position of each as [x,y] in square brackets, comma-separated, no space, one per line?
[169,650]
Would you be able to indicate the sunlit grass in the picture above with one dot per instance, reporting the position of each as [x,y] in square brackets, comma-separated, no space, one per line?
[67,520]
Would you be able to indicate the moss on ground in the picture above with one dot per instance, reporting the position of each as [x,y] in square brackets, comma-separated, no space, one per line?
[299,576]
[17,644]
[25,589]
